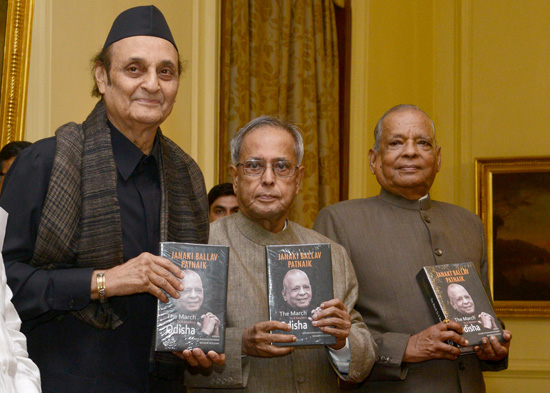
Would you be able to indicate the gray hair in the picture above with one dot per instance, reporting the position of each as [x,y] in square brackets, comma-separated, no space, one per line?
[401,107]
[271,121]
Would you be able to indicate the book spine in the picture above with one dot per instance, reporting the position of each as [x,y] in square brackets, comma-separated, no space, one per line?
[428,290]
[427,287]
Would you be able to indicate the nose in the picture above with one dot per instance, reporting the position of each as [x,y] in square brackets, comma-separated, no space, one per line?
[410,148]
[151,81]
[268,177]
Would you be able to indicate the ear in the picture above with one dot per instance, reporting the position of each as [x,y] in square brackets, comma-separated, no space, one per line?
[373,155]
[299,177]
[235,176]
[438,158]
[100,74]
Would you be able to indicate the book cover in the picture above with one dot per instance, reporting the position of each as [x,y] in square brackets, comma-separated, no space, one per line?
[197,318]
[455,292]
[299,279]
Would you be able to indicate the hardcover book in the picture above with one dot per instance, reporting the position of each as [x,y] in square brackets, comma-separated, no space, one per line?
[299,279]
[456,293]
[197,318]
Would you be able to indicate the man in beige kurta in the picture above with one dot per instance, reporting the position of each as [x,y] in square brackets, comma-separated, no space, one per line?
[266,176]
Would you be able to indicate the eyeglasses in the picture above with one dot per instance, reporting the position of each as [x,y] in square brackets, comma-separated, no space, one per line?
[281,168]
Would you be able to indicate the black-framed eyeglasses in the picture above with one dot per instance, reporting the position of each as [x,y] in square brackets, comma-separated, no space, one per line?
[280,168]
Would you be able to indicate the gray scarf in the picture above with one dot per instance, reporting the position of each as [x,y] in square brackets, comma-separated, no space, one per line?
[80,223]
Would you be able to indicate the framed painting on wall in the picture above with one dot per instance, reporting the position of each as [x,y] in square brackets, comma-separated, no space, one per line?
[513,201]
[16,25]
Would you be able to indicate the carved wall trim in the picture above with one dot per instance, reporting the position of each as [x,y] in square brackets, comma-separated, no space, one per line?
[15,70]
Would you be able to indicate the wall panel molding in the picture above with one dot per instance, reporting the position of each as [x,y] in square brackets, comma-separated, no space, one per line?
[38,118]
[465,167]
[523,369]
[359,95]
[205,87]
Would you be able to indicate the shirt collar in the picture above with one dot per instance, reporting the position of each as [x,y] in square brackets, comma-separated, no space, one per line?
[258,234]
[127,155]
[424,203]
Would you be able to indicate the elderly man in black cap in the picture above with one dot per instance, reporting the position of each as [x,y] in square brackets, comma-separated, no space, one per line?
[87,210]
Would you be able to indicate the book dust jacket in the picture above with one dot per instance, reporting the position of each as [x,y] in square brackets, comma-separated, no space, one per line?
[455,292]
[197,318]
[299,279]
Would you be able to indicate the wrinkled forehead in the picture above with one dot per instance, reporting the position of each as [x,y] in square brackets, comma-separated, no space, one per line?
[191,279]
[225,200]
[457,292]
[268,142]
[295,278]
[407,118]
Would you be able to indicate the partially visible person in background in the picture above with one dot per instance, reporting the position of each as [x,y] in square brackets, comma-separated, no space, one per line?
[222,201]
[19,373]
[7,156]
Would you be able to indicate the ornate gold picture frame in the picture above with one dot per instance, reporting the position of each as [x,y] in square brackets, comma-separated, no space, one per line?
[513,201]
[15,69]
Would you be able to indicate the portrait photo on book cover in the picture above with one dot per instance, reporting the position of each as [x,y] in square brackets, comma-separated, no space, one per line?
[463,308]
[298,295]
[196,316]
[196,319]
[299,280]
[196,306]
[192,308]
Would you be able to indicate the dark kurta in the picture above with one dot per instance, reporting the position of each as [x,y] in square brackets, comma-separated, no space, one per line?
[108,360]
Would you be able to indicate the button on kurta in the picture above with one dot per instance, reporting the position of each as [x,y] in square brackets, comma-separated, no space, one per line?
[438,252]
[427,218]
[461,366]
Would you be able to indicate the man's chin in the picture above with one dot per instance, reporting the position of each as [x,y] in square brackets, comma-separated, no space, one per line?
[149,116]
[265,211]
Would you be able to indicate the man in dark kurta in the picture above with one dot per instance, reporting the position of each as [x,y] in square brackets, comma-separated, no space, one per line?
[389,239]
[87,210]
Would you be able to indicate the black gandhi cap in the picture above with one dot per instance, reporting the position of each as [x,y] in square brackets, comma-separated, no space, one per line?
[144,20]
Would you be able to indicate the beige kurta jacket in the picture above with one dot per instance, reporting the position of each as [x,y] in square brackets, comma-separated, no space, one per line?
[306,369]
